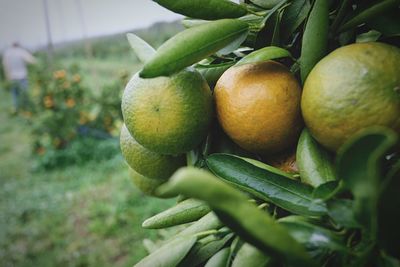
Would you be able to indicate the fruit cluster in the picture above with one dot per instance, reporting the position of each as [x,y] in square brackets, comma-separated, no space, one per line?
[267,82]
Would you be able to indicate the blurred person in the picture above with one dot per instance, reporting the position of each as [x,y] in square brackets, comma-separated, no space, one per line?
[15,60]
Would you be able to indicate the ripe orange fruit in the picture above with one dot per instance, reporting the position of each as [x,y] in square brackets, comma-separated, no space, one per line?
[258,106]
[168,115]
[354,87]
[146,162]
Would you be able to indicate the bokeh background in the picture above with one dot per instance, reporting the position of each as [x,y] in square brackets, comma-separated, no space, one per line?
[65,194]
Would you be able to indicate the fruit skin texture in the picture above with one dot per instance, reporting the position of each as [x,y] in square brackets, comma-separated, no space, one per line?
[354,87]
[258,106]
[146,162]
[168,115]
[145,185]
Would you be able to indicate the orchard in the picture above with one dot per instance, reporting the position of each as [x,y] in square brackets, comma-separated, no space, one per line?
[276,125]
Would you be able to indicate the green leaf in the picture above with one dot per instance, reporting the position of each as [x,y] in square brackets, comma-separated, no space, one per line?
[205,249]
[220,259]
[369,13]
[320,242]
[212,72]
[244,218]
[186,211]
[389,213]
[192,45]
[206,223]
[250,256]
[314,163]
[315,37]
[359,166]
[142,49]
[264,54]
[293,16]
[190,23]
[204,9]
[324,191]
[370,36]
[170,254]
[267,167]
[284,192]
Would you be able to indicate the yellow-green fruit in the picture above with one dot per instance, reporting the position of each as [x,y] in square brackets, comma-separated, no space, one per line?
[354,87]
[168,115]
[146,185]
[146,162]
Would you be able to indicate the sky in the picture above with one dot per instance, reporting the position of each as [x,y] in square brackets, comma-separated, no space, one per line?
[24,20]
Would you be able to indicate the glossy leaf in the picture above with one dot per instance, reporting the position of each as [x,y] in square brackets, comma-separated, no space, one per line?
[186,211]
[204,9]
[250,256]
[369,13]
[359,167]
[314,163]
[170,254]
[284,192]
[213,72]
[315,37]
[320,242]
[192,45]
[234,209]
[324,191]
[264,54]
[220,259]
[142,49]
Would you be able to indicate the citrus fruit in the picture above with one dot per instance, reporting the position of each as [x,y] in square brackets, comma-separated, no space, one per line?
[146,162]
[146,185]
[168,115]
[354,87]
[258,106]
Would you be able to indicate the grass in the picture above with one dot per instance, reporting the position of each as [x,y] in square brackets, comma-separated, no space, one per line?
[87,215]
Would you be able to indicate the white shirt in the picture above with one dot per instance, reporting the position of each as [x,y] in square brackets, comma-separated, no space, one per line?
[14,62]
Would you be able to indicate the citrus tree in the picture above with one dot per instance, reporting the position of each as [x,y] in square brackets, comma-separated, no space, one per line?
[288,114]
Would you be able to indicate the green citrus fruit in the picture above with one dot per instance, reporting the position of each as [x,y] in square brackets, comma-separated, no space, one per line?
[168,115]
[146,185]
[354,87]
[258,106]
[146,162]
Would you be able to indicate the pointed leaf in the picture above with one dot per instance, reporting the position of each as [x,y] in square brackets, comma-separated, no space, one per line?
[237,213]
[186,211]
[315,37]
[264,54]
[192,45]
[170,254]
[204,9]
[284,192]
[142,49]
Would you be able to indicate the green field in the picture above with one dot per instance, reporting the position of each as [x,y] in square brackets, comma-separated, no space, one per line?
[86,215]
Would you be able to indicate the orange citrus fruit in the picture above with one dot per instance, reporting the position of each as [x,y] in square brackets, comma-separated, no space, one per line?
[258,106]
[354,87]
[168,115]
[146,162]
